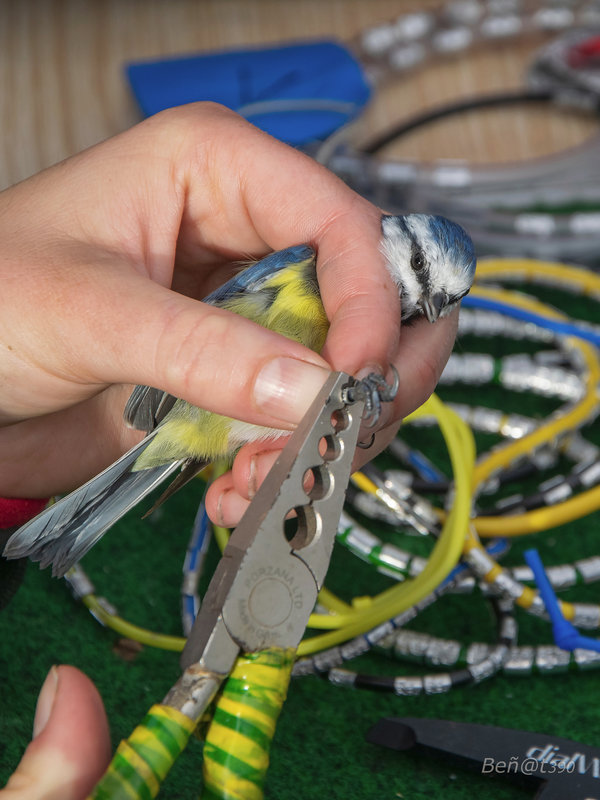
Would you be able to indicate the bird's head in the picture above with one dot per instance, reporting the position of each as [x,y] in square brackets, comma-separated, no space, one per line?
[431,260]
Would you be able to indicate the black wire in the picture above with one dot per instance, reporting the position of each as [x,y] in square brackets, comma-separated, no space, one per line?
[509,475]
[449,109]
[456,677]
[539,499]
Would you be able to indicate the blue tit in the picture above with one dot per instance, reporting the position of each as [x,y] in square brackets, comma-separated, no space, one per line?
[431,261]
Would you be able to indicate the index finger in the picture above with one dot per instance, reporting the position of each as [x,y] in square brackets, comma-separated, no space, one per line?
[358,293]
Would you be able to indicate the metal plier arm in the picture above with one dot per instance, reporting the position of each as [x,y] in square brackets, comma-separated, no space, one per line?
[265,586]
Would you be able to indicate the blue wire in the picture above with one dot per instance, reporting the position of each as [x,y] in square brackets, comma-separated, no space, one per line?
[496,547]
[566,636]
[192,566]
[557,326]
[424,467]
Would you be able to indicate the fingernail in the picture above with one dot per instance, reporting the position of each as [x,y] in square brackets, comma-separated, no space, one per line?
[252,478]
[230,509]
[45,702]
[285,387]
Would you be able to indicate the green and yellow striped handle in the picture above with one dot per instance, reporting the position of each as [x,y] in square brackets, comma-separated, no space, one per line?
[236,749]
[238,739]
[142,761]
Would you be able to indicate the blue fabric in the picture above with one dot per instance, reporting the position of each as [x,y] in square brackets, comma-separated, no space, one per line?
[318,73]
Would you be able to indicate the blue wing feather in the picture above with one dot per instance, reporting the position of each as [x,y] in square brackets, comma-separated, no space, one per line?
[251,278]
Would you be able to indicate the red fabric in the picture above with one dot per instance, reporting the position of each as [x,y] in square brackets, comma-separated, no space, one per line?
[18,510]
[584,54]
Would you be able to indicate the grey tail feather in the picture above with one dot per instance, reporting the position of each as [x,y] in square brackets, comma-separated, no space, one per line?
[190,468]
[65,531]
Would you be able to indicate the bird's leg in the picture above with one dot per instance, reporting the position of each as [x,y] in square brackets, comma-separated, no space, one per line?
[373,390]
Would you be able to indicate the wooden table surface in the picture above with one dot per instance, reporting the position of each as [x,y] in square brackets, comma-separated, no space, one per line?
[63,86]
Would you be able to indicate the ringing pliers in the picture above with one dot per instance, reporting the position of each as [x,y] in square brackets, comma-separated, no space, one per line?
[266,583]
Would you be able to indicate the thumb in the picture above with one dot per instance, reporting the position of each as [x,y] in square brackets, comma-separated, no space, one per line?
[209,356]
[71,744]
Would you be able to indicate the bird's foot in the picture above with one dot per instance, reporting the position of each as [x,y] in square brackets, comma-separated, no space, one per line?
[373,390]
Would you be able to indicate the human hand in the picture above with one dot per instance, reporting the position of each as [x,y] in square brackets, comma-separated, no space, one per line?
[70,749]
[91,252]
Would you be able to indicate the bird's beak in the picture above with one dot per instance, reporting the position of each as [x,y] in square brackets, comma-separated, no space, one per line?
[432,306]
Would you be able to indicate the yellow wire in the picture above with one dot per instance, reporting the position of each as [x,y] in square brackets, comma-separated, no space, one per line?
[364,483]
[444,557]
[332,602]
[586,502]
[538,271]
[582,412]
[131,631]
[540,519]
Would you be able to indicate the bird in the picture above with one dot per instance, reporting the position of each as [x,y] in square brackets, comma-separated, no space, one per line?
[431,261]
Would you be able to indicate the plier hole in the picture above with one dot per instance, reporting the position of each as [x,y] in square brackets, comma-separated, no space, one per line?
[301,529]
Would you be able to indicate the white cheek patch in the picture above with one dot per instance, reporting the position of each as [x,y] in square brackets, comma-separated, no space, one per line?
[397,250]
[453,281]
